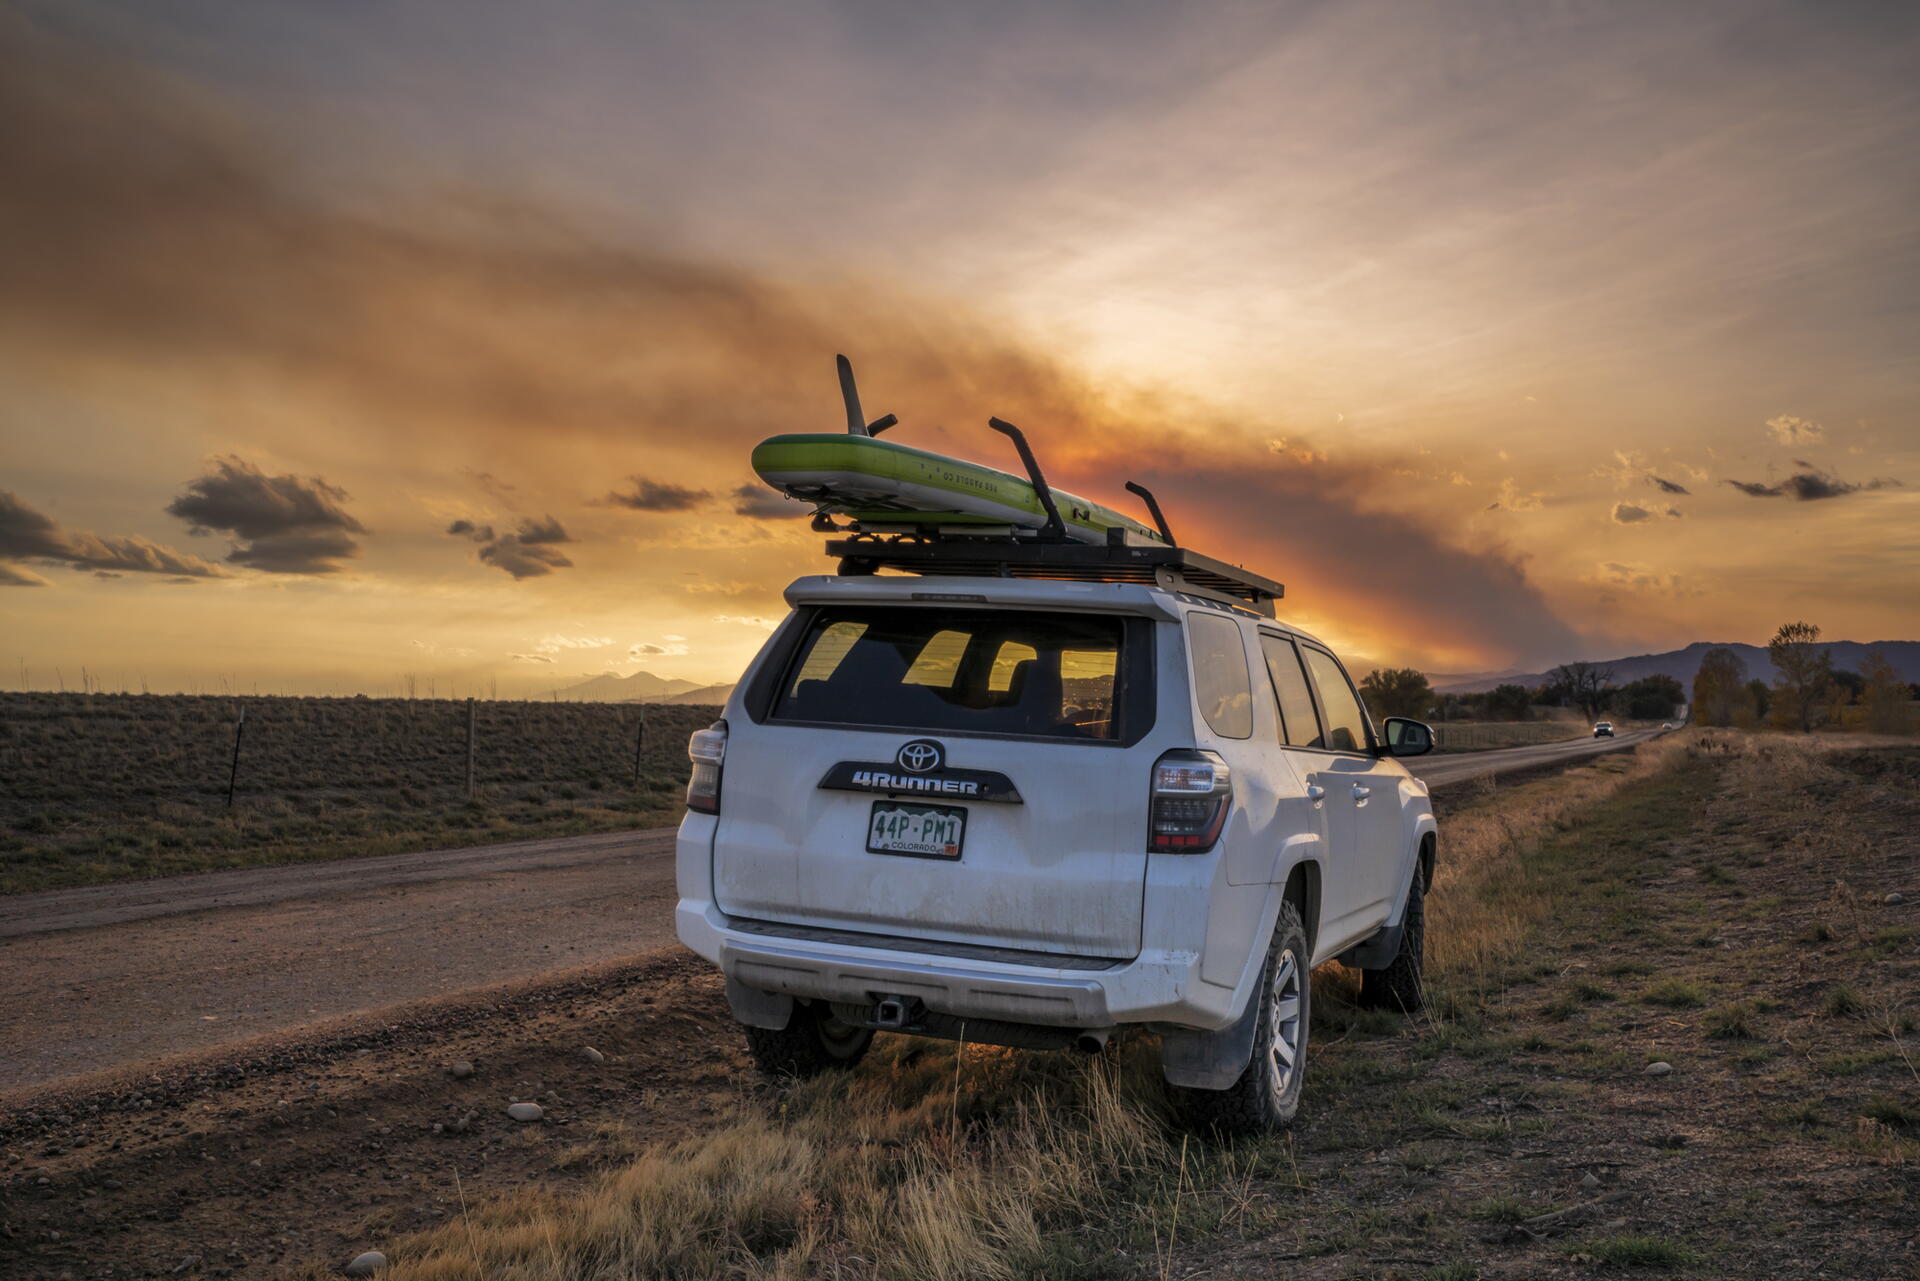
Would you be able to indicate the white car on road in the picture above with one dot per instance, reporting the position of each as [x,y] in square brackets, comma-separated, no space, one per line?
[1029,812]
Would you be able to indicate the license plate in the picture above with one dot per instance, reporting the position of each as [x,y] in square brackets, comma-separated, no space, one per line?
[922,831]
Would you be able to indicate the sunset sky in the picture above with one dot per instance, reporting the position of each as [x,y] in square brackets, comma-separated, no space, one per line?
[347,341]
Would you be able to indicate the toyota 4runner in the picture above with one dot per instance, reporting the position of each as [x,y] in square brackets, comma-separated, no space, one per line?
[1027,811]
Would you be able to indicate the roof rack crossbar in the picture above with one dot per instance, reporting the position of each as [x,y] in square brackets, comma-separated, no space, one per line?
[1055,527]
[1118,561]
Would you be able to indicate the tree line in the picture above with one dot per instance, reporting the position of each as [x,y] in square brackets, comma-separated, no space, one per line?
[1807,691]
[1588,687]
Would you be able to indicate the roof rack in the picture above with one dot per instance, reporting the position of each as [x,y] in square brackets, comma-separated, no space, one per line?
[1119,561]
[974,551]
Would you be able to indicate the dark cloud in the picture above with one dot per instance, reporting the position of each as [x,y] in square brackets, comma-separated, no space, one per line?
[658,496]
[1272,514]
[26,534]
[1809,485]
[762,503]
[1666,486]
[528,552]
[1634,513]
[544,530]
[319,552]
[282,524]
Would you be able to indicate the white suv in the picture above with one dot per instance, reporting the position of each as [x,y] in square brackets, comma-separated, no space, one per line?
[1028,811]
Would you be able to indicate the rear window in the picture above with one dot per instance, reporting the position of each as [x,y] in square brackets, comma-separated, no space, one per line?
[1073,676]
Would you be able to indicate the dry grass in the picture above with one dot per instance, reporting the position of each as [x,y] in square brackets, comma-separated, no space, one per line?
[1486,900]
[935,1162]
[105,787]
[889,1172]
[1479,736]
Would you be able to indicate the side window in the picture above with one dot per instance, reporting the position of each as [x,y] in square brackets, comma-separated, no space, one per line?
[1299,724]
[1221,687]
[1346,723]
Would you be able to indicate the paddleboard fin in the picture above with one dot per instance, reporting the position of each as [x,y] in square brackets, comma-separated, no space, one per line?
[1055,528]
[857,424]
[1135,487]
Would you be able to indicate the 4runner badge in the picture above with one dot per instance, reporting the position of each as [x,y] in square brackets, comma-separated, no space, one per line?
[901,778]
[921,755]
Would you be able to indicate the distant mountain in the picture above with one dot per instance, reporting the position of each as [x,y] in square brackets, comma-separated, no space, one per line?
[1681,664]
[645,687]
[715,694]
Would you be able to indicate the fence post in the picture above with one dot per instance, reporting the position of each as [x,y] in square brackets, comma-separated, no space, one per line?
[470,740]
[639,744]
[233,773]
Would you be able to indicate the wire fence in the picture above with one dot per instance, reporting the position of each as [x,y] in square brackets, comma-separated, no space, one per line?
[98,786]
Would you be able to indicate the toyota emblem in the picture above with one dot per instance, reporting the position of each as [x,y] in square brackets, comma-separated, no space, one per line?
[919,756]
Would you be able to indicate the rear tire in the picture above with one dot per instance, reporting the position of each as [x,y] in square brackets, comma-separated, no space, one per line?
[812,1042]
[1267,1095]
[1399,986]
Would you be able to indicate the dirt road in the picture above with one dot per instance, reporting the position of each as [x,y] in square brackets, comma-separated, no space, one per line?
[102,977]
[121,974]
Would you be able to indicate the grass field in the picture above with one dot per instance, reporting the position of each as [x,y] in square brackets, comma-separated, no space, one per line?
[1480,736]
[104,787]
[1711,902]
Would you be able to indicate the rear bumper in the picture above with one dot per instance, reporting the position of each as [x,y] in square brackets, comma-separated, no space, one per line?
[1154,987]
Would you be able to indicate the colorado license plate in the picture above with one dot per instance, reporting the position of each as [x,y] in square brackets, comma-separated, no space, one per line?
[924,831]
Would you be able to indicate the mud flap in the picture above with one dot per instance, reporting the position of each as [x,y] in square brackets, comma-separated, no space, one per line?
[1211,1060]
[770,1010]
[1376,953]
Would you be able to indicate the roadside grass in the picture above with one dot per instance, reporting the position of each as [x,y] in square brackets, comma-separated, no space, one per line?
[1635,1250]
[934,1161]
[112,787]
[1480,736]
[1675,994]
[1450,1145]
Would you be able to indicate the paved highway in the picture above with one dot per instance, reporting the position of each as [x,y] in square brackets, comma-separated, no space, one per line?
[117,974]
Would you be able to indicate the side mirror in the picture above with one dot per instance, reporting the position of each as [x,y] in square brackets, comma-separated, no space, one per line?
[1407,737]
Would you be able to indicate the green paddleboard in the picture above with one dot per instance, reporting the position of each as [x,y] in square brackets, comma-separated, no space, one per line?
[875,482]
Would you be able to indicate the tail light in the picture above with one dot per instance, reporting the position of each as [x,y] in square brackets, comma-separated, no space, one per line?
[1192,792]
[707,749]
